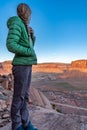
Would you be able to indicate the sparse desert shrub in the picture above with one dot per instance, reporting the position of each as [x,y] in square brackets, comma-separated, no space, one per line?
[53,106]
[58,110]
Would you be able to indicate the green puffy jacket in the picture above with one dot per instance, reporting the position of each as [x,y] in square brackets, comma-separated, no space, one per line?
[18,43]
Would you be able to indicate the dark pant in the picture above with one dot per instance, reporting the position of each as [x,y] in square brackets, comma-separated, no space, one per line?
[19,111]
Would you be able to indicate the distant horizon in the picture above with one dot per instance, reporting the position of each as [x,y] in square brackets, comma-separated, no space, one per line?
[49,62]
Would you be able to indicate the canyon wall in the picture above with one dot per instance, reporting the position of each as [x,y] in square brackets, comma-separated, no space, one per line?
[81,65]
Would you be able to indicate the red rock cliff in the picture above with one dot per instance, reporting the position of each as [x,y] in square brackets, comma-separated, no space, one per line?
[79,64]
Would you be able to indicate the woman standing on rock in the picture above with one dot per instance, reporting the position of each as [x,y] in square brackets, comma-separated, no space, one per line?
[20,40]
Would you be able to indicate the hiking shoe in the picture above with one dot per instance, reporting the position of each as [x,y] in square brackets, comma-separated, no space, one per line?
[30,127]
[20,128]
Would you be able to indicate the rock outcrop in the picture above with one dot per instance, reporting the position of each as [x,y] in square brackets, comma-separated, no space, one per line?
[38,98]
[79,64]
[5,67]
[6,81]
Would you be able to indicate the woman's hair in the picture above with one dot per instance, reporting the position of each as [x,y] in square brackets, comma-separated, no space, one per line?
[24,12]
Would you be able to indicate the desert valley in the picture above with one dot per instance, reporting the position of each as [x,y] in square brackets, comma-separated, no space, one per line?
[58,97]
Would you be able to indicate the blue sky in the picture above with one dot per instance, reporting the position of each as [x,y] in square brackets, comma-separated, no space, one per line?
[60,27]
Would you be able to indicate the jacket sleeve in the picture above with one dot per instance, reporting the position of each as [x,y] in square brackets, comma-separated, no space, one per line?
[12,42]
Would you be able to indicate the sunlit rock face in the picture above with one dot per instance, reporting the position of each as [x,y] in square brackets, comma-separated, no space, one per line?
[79,64]
[6,67]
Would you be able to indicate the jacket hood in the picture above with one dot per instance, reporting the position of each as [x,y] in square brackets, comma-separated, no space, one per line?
[13,19]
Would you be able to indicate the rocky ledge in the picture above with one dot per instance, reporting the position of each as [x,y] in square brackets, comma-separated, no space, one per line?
[46,119]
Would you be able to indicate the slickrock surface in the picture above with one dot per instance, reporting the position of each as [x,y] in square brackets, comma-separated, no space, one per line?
[38,98]
[42,117]
[46,119]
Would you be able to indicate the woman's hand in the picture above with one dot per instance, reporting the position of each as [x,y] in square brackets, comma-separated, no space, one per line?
[31,31]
